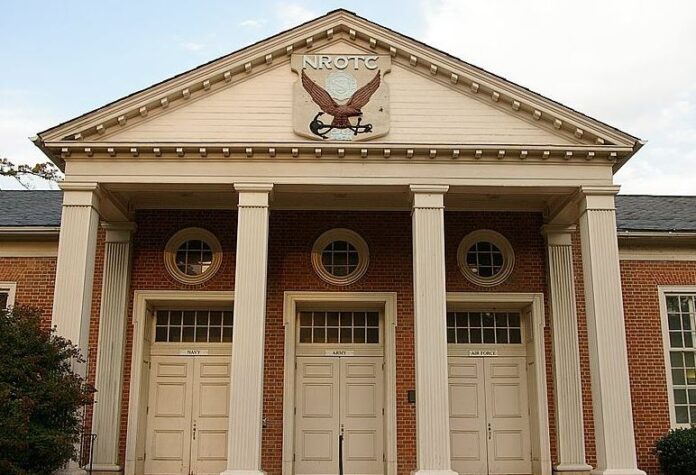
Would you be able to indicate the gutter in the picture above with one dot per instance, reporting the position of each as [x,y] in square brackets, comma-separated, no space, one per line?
[29,231]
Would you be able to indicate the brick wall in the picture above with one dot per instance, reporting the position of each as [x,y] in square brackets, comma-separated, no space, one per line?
[645,348]
[35,278]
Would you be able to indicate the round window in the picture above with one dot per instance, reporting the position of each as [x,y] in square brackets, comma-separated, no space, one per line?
[193,255]
[340,256]
[485,258]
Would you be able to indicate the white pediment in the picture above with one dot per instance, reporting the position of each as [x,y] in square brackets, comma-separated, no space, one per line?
[247,98]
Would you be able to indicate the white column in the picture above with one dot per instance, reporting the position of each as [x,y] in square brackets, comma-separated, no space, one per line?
[429,301]
[611,397]
[110,349]
[567,383]
[246,384]
[72,297]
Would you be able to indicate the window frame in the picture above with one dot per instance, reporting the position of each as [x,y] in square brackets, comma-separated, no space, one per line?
[495,238]
[188,234]
[340,234]
[10,288]
[663,293]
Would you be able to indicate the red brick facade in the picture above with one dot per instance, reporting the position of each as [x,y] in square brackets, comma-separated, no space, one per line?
[640,281]
[388,235]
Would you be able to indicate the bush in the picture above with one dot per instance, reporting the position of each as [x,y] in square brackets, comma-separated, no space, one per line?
[676,452]
[40,395]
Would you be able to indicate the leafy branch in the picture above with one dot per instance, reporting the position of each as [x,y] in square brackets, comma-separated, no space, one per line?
[46,171]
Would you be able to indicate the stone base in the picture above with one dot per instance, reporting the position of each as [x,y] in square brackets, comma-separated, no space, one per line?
[618,471]
[568,469]
[434,472]
[72,468]
[236,471]
[105,469]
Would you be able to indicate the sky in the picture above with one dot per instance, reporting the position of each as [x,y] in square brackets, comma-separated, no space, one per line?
[630,63]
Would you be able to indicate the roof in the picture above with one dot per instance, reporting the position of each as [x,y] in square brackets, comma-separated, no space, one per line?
[87,131]
[633,212]
[20,208]
[656,213]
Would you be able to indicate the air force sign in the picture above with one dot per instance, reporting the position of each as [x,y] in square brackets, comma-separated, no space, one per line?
[341,96]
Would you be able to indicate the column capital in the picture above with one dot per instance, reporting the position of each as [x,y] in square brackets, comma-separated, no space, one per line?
[118,231]
[597,198]
[428,196]
[254,195]
[81,194]
[558,234]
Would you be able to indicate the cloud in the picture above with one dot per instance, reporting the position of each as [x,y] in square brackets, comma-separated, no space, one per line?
[625,62]
[251,23]
[292,14]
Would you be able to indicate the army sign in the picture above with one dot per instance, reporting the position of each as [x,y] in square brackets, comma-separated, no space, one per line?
[341,97]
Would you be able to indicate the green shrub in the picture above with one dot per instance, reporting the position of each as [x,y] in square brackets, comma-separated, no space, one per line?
[676,452]
[40,395]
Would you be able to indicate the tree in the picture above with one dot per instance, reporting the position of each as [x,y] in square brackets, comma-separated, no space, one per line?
[40,395]
[46,171]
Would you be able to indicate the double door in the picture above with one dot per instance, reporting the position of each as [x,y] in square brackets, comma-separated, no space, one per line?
[339,415]
[489,415]
[187,415]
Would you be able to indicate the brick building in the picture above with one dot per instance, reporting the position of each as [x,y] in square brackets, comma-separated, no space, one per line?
[339,249]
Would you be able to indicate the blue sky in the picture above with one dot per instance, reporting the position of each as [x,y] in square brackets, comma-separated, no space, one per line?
[628,62]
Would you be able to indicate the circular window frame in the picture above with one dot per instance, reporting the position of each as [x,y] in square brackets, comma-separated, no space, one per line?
[341,234]
[495,238]
[181,237]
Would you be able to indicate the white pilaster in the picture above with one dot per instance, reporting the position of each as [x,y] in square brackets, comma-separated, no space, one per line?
[246,384]
[110,349]
[72,298]
[567,382]
[429,299]
[611,397]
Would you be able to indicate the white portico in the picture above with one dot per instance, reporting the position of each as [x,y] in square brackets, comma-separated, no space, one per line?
[343,115]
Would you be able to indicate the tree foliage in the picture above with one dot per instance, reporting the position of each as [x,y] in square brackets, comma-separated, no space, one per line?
[40,395]
[46,171]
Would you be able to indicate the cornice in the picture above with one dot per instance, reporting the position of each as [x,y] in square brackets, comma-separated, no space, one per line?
[340,25]
[339,151]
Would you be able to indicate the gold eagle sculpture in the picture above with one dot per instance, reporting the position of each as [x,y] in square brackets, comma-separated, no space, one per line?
[341,112]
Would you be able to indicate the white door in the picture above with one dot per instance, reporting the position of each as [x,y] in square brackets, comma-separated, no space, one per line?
[489,415]
[339,396]
[187,415]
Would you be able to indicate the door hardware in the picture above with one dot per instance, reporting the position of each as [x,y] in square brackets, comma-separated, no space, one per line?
[489,431]
[340,451]
[194,430]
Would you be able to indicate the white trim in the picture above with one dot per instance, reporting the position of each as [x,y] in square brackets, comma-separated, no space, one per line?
[494,238]
[541,443]
[291,301]
[143,301]
[11,288]
[663,291]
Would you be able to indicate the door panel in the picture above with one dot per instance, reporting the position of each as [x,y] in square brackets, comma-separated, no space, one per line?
[508,413]
[210,415]
[316,399]
[332,392]
[467,415]
[489,393]
[362,396]
[168,442]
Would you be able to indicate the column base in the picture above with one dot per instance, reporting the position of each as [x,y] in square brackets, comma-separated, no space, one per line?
[618,471]
[575,469]
[434,472]
[107,469]
[239,471]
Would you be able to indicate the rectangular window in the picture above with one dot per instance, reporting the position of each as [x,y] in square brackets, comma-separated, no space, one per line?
[484,327]
[681,345]
[196,326]
[339,327]
[7,294]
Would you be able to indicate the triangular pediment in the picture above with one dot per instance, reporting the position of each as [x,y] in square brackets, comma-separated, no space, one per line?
[247,97]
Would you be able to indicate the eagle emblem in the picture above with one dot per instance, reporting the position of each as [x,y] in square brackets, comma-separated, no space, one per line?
[342,113]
